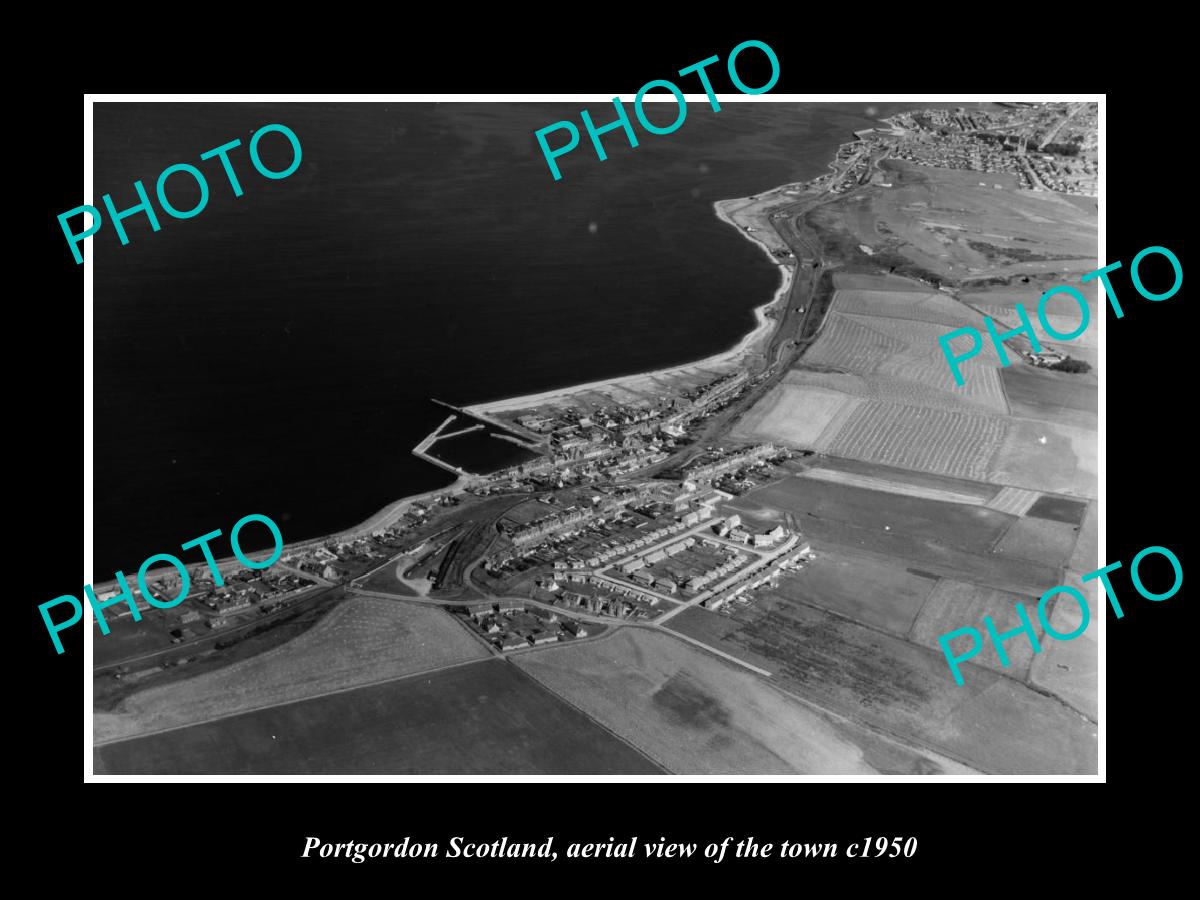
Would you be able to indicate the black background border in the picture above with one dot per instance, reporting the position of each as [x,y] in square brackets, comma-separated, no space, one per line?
[1148,473]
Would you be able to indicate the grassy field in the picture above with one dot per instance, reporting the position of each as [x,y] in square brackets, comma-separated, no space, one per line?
[1040,540]
[898,388]
[1070,668]
[795,415]
[933,217]
[1054,397]
[926,536]
[1058,509]
[970,528]
[1014,501]
[956,604]
[360,641]
[852,344]
[868,589]
[976,492]
[482,718]
[937,308]
[1087,549]
[875,483]
[386,581]
[1057,459]
[698,714]
[993,723]
[852,281]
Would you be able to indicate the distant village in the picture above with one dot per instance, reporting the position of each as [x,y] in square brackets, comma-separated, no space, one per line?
[1044,146]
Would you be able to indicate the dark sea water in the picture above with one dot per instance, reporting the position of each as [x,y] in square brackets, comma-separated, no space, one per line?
[276,353]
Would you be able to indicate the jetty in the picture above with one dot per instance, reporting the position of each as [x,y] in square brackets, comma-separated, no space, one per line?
[421,451]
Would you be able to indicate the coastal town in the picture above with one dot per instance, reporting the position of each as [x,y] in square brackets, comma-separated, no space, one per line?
[1040,147]
[821,485]
[610,478]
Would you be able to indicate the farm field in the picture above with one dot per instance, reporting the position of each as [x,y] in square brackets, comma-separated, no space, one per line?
[482,718]
[972,528]
[795,415]
[893,487]
[852,344]
[1087,548]
[927,537]
[1054,397]
[992,723]
[868,589]
[1040,540]
[359,641]
[956,604]
[698,714]
[852,281]
[934,306]
[892,387]
[1056,459]
[1014,501]
[1065,322]
[978,492]
[1004,297]
[1070,668]
[908,349]
[958,444]
[1058,509]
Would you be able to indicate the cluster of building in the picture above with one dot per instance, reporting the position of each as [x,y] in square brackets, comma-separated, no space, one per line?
[715,465]
[625,548]
[731,529]
[610,441]
[599,583]
[1044,146]
[1067,175]
[510,626]
[1045,359]
[244,590]
[733,562]
[532,533]
[756,579]
[634,605]
[335,559]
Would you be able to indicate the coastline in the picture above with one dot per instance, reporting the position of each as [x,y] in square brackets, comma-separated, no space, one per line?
[726,211]
[738,213]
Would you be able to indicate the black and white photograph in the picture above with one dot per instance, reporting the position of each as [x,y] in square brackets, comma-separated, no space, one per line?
[449,436]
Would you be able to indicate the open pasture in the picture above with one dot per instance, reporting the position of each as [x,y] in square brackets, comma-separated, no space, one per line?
[795,415]
[1056,459]
[869,589]
[1054,397]
[957,604]
[993,723]
[483,718]
[1040,540]
[699,714]
[361,640]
